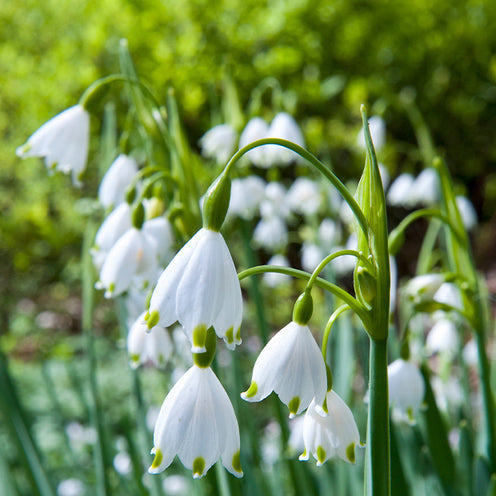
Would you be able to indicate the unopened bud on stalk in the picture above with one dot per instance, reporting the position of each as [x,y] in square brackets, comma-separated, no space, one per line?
[303,308]
[366,285]
[130,195]
[138,215]
[216,203]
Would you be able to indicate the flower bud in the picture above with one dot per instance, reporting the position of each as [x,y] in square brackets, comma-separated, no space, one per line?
[303,308]
[138,215]
[366,285]
[216,203]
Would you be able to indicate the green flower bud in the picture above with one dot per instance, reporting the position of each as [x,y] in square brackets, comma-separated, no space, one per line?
[138,215]
[130,195]
[366,285]
[303,309]
[216,203]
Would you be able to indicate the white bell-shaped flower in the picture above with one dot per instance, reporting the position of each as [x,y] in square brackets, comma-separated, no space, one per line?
[256,129]
[271,233]
[304,197]
[443,338]
[219,142]
[424,287]
[160,229]
[406,389]
[275,201]
[118,177]
[426,188]
[470,353]
[334,434]
[200,289]
[449,294]
[292,366]
[144,345]
[377,128]
[132,259]
[198,424]
[63,142]
[400,193]
[275,279]
[114,226]
[246,196]
[467,212]
[283,126]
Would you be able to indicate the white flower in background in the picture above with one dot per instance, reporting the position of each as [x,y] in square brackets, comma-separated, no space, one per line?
[449,294]
[256,129]
[246,196]
[345,264]
[328,233]
[400,193]
[122,463]
[219,142]
[144,345]
[63,142]
[426,188]
[270,444]
[160,229]
[114,226]
[470,353]
[133,259]
[292,366]
[271,233]
[424,287]
[198,424]
[118,177]
[274,279]
[406,389]
[295,441]
[79,435]
[467,212]
[304,197]
[200,289]
[377,128]
[176,485]
[384,172]
[275,201]
[311,256]
[393,288]
[442,338]
[346,214]
[335,434]
[71,487]
[134,301]
[283,126]
[448,392]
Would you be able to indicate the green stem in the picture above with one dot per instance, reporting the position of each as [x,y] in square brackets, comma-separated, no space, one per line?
[313,160]
[87,325]
[327,331]
[424,261]
[322,283]
[377,455]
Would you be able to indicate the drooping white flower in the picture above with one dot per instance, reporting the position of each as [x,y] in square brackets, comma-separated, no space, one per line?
[219,142]
[377,128]
[467,212]
[400,191]
[115,181]
[406,389]
[304,197]
[283,126]
[426,188]
[160,229]
[176,485]
[71,487]
[292,366]
[424,287]
[145,345]
[246,196]
[470,353]
[62,141]
[113,227]
[132,258]
[275,201]
[256,129]
[443,337]
[449,294]
[200,289]
[122,463]
[334,434]
[448,393]
[198,424]
[271,233]
[274,279]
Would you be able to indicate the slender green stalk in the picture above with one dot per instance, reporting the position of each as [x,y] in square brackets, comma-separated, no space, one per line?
[378,456]
[87,324]
[327,331]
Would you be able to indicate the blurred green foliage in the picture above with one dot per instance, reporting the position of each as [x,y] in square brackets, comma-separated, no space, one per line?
[329,57]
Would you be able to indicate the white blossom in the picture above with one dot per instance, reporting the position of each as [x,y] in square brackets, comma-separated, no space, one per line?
[148,345]
[271,233]
[304,197]
[311,256]
[160,230]
[62,141]
[334,434]
[246,195]
[471,353]
[71,487]
[467,212]
[377,128]
[219,142]
[424,287]
[400,193]
[443,338]
[275,201]
[283,126]
[200,289]
[406,389]
[122,463]
[274,279]
[198,424]
[292,366]
[426,188]
[118,177]
[256,129]
[449,294]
